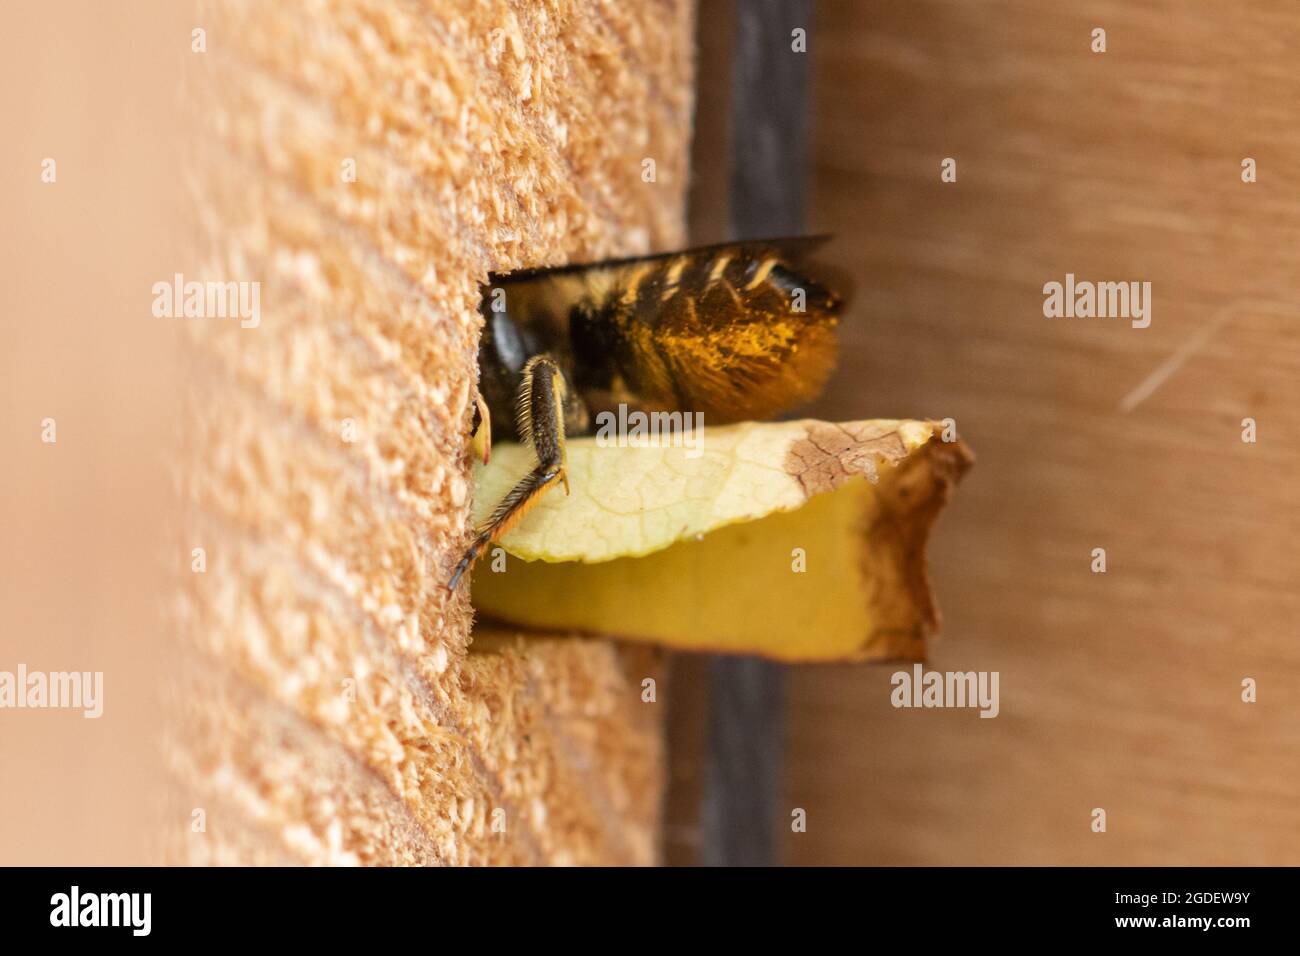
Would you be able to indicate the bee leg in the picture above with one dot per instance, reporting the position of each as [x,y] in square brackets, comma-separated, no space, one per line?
[541,423]
[513,507]
[482,429]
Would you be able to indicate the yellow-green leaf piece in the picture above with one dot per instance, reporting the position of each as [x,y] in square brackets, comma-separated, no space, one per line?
[798,540]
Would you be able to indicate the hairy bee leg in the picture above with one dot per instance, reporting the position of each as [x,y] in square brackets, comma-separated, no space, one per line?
[541,424]
[515,505]
[483,433]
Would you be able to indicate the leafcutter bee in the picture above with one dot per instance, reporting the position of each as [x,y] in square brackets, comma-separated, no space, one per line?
[735,331]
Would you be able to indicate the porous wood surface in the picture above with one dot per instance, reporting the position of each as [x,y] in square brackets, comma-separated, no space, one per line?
[335,708]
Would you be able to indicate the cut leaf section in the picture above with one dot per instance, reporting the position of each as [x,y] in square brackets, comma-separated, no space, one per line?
[801,541]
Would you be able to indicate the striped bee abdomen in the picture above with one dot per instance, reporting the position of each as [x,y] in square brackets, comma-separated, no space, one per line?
[737,331]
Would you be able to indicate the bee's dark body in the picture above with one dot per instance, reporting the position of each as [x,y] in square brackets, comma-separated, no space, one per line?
[735,331]
[504,350]
[708,330]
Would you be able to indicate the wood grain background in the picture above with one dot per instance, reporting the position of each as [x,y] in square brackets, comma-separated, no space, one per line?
[1119,690]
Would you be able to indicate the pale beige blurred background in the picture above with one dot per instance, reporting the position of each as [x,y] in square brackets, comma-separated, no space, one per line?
[84,522]
[1121,690]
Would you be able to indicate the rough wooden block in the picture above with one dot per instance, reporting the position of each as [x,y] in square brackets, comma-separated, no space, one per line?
[369,163]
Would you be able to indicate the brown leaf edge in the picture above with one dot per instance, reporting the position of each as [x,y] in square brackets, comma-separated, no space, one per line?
[912,498]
